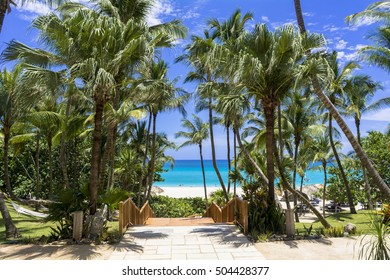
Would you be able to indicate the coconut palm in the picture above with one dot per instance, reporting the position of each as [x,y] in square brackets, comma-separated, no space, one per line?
[206,71]
[337,117]
[268,81]
[359,91]
[160,95]
[323,154]
[196,132]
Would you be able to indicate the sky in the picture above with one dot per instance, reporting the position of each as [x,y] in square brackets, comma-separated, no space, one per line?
[326,17]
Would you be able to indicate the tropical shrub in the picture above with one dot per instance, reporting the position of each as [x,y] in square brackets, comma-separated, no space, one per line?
[219,198]
[377,246]
[264,217]
[168,207]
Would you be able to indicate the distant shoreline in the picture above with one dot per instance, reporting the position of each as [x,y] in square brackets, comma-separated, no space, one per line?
[198,191]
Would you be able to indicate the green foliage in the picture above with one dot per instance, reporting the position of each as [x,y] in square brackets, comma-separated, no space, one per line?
[168,207]
[264,217]
[113,196]
[60,212]
[377,147]
[377,246]
[336,189]
[334,232]
[219,198]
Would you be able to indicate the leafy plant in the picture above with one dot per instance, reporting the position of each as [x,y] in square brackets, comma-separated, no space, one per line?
[377,247]
[334,232]
[68,201]
[168,207]
[219,198]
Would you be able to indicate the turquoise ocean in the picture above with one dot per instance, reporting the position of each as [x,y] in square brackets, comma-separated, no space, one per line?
[188,173]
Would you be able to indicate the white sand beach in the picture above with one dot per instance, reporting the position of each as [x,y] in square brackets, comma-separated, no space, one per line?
[178,192]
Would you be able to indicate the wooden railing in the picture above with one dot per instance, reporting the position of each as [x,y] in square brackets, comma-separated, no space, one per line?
[131,215]
[236,210]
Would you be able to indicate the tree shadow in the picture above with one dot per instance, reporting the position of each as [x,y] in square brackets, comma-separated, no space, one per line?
[60,252]
[224,235]
[295,243]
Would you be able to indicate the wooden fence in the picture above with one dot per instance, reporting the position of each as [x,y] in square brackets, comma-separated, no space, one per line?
[236,210]
[130,214]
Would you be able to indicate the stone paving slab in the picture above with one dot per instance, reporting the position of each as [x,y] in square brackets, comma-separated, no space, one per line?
[211,242]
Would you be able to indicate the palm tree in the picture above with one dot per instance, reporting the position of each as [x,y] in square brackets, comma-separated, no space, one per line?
[323,154]
[5,7]
[337,89]
[160,95]
[206,72]
[336,115]
[9,113]
[359,91]
[197,132]
[268,81]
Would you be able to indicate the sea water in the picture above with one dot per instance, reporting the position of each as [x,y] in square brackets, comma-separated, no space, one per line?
[188,173]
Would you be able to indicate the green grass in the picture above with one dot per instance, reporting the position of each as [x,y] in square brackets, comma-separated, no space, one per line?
[29,227]
[32,228]
[361,220]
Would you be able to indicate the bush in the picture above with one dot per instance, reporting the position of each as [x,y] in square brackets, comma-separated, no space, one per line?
[168,207]
[264,217]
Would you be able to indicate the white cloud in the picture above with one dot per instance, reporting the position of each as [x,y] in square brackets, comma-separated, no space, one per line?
[160,9]
[341,45]
[32,9]
[265,18]
[382,115]
[307,14]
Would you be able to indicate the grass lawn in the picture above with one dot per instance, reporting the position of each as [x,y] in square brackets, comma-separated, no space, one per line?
[31,227]
[361,220]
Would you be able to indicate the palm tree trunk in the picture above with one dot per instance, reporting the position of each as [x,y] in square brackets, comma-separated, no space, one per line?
[152,161]
[111,172]
[3,10]
[235,162]
[213,156]
[298,12]
[296,149]
[336,115]
[50,146]
[340,166]
[203,175]
[96,155]
[248,155]
[366,182]
[36,165]
[228,155]
[324,190]
[300,195]
[269,113]
[143,179]
[7,179]
[63,147]
[10,229]
[281,148]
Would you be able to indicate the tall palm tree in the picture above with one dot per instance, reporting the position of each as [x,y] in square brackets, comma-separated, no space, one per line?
[268,81]
[160,94]
[323,154]
[8,116]
[359,91]
[206,71]
[340,121]
[10,112]
[196,132]
[229,33]
[336,91]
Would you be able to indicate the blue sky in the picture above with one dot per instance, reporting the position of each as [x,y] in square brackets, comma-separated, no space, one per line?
[326,17]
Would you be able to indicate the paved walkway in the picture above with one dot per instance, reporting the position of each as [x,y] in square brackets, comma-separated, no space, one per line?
[217,242]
